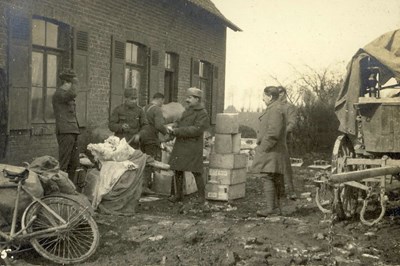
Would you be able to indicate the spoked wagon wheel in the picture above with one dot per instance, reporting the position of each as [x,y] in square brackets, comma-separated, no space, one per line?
[348,196]
[73,244]
[328,197]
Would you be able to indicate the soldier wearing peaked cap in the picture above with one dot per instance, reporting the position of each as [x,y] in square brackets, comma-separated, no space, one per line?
[187,154]
[67,127]
[128,119]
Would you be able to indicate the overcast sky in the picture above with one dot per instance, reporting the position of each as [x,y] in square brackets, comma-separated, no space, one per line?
[280,33]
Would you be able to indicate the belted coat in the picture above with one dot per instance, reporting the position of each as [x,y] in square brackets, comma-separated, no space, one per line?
[187,154]
[271,152]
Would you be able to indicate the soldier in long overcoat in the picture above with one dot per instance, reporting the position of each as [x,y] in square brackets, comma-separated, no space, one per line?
[271,155]
[187,154]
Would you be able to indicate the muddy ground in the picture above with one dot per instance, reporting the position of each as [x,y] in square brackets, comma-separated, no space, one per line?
[230,233]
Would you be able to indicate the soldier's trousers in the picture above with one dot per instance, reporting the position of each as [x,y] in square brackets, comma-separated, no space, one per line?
[179,176]
[68,154]
[154,151]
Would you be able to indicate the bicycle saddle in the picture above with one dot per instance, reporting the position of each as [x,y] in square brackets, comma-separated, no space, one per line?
[16,176]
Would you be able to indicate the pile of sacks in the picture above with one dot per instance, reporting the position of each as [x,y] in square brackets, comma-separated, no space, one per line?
[52,178]
[45,178]
[113,149]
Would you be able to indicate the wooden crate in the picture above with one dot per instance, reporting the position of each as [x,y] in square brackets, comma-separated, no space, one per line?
[227,123]
[227,143]
[228,161]
[225,192]
[226,176]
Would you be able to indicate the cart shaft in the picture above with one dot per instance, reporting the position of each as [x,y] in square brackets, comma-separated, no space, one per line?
[362,174]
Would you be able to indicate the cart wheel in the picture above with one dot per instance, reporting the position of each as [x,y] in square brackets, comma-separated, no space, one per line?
[346,204]
[342,149]
[74,244]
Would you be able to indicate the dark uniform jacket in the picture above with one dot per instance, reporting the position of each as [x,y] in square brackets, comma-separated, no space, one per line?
[271,153]
[187,154]
[156,124]
[65,111]
[133,116]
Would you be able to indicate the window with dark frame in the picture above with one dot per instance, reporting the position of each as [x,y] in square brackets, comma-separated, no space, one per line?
[204,75]
[171,77]
[48,46]
[135,65]
[205,83]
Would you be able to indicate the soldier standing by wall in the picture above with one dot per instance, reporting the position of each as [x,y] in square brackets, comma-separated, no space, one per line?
[67,127]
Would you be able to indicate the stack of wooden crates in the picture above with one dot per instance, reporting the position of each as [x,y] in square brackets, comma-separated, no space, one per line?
[227,173]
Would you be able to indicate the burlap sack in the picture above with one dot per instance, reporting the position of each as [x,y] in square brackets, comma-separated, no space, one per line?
[8,195]
[172,112]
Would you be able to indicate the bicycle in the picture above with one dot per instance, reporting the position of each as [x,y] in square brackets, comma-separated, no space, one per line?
[59,228]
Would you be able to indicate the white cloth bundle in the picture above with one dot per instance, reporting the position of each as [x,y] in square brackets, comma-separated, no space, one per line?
[113,149]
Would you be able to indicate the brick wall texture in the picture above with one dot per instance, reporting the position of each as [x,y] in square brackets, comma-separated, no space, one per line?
[162,25]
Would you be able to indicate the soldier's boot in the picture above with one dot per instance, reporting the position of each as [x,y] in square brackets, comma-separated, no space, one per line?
[177,187]
[200,187]
[269,192]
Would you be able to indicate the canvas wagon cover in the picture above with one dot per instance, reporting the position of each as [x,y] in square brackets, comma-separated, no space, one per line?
[386,50]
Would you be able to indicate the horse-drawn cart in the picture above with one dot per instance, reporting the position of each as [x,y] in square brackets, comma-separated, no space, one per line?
[366,158]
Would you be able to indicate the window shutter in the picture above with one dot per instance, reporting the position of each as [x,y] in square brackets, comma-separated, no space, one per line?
[81,67]
[215,104]
[117,72]
[194,77]
[156,73]
[19,71]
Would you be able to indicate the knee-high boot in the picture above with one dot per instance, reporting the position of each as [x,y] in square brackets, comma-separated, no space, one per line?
[177,186]
[270,193]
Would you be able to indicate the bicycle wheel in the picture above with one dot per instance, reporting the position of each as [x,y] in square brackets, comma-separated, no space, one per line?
[73,244]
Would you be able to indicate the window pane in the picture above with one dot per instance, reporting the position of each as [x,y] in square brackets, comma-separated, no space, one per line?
[203,84]
[128,52]
[37,69]
[51,35]
[38,32]
[135,81]
[167,60]
[51,70]
[49,114]
[127,71]
[201,69]
[135,49]
[37,104]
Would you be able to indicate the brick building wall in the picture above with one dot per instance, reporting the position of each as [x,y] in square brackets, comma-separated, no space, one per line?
[162,25]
